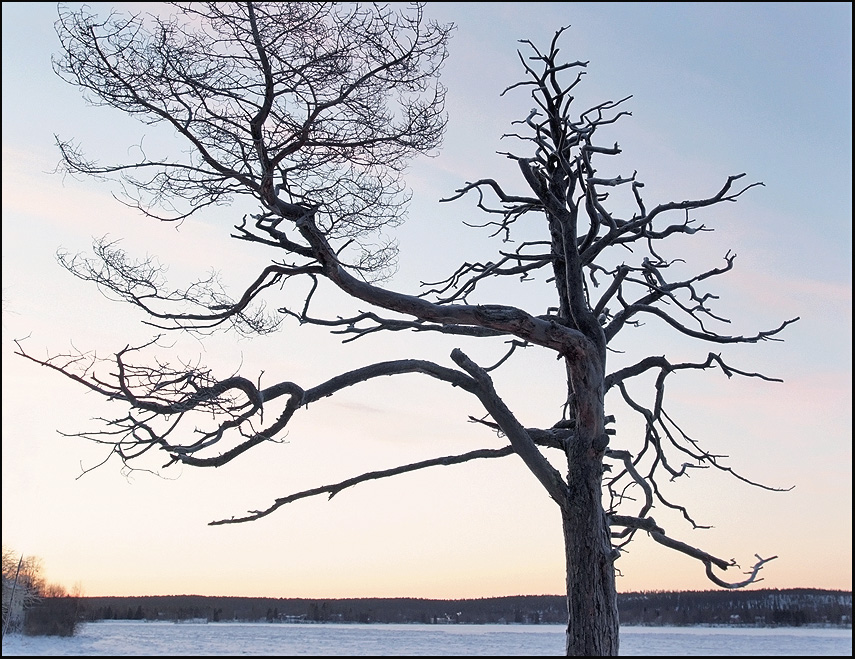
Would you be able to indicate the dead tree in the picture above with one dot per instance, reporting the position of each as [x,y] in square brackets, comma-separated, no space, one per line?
[311,111]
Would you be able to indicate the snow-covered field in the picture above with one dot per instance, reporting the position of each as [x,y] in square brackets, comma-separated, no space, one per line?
[113,638]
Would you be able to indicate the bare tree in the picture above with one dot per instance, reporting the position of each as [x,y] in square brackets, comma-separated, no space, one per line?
[312,111]
[23,586]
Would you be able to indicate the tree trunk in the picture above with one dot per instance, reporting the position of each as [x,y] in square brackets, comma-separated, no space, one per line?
[592,628]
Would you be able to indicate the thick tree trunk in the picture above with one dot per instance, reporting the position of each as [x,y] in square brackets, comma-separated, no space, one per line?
[592,614]
[592,628]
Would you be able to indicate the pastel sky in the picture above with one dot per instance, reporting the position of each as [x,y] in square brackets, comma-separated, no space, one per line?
[718,89]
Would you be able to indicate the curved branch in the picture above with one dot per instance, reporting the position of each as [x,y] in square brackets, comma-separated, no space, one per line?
[626,458]
[301,398]
[665,367]
[503,318]
[500,193]
[479,271]
[766,335]
[358,325]
[335,488]
[164,392]
[658,534]
[140,282]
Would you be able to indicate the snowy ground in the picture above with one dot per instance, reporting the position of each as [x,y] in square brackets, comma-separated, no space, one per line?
[114,638]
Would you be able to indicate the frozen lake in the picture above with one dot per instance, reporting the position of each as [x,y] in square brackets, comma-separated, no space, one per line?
[111,638]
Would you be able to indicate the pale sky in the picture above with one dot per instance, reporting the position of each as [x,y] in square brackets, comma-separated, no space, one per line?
[719,89]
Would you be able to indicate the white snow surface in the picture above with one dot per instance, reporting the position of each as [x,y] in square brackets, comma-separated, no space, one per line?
[128,638]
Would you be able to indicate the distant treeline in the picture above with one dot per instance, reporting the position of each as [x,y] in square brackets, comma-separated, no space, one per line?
[758,607]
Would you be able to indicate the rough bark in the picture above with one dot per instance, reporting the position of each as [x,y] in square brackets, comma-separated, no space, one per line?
[592,620]
[593,626]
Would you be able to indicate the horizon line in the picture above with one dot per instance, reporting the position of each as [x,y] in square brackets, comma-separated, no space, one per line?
[462,599]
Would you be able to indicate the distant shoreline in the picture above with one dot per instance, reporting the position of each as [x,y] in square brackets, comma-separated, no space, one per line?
[799,607]
[633,593]
[699,625]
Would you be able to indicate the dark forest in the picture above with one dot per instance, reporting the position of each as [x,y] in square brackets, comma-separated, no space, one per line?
[791,607]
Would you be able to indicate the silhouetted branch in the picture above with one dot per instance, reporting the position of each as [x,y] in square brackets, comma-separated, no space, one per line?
[334,489]
[513,430]
[658,534]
